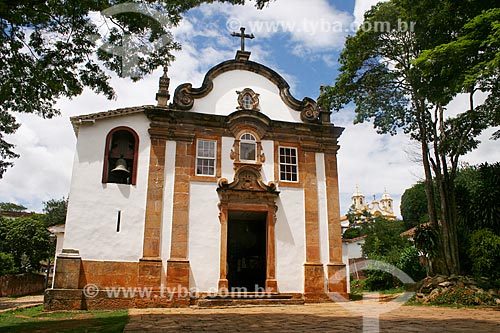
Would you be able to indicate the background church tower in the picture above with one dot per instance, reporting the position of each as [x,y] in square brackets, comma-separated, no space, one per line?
[387,203]
[358,200]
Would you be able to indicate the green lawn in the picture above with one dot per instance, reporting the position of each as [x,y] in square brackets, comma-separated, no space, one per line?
[35,320]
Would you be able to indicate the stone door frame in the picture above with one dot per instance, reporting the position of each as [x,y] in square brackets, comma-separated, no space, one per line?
[248,193]
[270,208]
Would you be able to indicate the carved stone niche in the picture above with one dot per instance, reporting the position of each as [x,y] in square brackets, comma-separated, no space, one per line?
[248,100]
[251,122]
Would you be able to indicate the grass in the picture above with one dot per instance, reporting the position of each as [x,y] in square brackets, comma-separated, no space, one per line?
[35,320]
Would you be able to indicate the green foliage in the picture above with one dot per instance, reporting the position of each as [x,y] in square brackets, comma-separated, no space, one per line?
[414,206]
[49,50]
[26,239]
[378,280]
[11,207]
[383,239]
[55,211]
[485,253]
[7,265]
[409,262]
[478,195]
[384,243]
[351,233]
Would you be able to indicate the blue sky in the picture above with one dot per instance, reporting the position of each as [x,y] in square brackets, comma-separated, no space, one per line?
[299,39]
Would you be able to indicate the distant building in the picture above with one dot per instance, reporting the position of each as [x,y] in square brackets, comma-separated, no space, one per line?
[360,209]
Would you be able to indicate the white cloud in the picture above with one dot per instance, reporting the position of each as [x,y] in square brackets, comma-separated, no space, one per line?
[361,7]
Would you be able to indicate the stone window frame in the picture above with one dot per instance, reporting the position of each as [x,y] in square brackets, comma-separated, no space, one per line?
[107,157]
[218,162]
[296,164]
[300,164]
[198,158]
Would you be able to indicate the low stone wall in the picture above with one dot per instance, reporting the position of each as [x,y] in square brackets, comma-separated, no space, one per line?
[21,284]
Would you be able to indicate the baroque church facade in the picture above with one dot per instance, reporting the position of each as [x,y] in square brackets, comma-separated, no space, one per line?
[232,185]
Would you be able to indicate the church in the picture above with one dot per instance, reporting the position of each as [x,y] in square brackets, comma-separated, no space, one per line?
[229,186]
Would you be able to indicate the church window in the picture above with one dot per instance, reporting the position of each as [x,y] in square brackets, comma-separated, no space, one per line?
[288,164]
[248,148]
[247,102]
[120,156]
[206,157]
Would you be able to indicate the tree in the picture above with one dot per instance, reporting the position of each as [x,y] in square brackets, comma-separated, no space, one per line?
[414,206]
[390,77]
[26,239]
[51,49]
[11,207]
[55,211]
[383,239]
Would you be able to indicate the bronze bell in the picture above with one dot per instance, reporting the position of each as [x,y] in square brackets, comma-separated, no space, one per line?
[121,169]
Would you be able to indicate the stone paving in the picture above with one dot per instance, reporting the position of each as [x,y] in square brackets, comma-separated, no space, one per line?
[325,317]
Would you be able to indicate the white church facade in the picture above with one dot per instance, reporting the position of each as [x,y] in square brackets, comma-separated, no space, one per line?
[230,185]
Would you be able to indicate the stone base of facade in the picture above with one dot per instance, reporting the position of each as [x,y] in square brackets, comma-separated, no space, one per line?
[337,281]
[86,299]
[80,299]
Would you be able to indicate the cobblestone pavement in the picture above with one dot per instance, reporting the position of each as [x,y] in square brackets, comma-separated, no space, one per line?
[7,303]
[325,317]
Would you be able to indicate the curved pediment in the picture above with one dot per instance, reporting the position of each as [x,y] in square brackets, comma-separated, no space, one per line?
[185,94]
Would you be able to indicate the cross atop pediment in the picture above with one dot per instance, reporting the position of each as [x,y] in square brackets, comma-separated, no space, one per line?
[242,35]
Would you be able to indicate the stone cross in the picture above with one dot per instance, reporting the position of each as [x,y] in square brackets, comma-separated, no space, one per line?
[242,35]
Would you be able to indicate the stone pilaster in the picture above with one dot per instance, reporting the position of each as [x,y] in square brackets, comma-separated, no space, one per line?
[178,264]
[67,270]
[150,266]
[314,276]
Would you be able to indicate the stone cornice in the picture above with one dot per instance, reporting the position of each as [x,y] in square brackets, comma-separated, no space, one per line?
[185,94]
[182,125]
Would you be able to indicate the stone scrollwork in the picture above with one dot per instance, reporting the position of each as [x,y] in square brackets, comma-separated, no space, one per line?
[310,113]
[247,178]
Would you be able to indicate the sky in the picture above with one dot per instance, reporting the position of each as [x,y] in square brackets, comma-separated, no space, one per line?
[299,39]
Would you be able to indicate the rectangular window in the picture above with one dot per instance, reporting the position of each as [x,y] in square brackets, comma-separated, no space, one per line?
[205,157]
[288,164]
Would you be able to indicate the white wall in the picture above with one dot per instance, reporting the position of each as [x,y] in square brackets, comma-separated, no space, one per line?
[168,202]
[204,236]
[290,240]
[93,206]
[223,99]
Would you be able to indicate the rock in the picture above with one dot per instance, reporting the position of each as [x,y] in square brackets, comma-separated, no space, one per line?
[497,301]
[420,295]
[445,284]
[492,292]
[460,284]
[439,279]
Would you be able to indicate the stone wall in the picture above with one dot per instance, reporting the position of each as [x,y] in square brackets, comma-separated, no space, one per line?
[21,284]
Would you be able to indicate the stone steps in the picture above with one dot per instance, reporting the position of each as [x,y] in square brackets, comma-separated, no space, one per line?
[248,299]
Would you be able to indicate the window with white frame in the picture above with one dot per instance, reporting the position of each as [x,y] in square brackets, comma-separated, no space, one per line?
[288,164]
[248,148]
[205,157]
